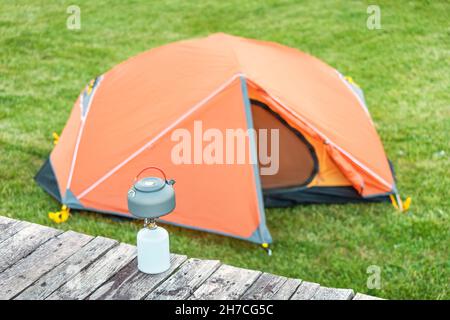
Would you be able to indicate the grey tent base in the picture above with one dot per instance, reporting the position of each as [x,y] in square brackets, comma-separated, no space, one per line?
[318,195]
[278,198]
[46,178]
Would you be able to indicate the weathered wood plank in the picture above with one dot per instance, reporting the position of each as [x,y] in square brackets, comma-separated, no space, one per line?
[27,270]
[264,288]
[4,221]
[9,226]
[287,289]
[23,242]
[305,291]
[37,262]
[227,283]
[324,293]
[7,230]
[131,284]
[186,280]
[362,296]
[64,272]
[89,279]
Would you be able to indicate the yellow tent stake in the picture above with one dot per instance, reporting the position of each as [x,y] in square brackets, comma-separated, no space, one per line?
[399,202]
[394,203]
[60,216]
[55,138]
[351,81]
[90,86]
[407,204]
[266,247]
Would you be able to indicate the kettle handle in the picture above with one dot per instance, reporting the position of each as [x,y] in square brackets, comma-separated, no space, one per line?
[156,168]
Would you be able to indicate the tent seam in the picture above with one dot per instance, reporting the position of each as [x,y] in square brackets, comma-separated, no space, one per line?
[161,134]
[327,140]
[265,236]
[80,132]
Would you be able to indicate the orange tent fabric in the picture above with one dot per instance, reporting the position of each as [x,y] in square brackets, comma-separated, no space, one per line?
[123,121]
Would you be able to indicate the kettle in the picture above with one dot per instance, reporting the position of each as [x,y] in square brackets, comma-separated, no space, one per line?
[150,198]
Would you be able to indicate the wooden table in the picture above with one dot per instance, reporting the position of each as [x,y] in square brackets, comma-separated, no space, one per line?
[38,262]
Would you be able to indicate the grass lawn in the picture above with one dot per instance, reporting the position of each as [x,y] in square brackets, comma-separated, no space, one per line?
[404,69]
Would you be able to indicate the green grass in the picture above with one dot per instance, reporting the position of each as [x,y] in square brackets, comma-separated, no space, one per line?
[404,69]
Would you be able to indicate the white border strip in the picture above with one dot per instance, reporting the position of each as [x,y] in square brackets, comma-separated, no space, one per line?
[161,134]
[80,131]
[327,140]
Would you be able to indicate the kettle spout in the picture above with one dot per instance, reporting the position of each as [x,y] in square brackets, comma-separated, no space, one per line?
[171,182]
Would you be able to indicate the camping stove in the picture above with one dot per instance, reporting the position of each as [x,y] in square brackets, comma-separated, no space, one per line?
[150,198]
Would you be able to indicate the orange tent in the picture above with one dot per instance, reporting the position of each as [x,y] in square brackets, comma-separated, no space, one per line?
[124,120]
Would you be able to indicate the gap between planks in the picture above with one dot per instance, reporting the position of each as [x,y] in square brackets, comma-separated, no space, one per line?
[101,268]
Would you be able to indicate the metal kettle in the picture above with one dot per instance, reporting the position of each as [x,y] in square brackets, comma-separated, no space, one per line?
[150,198]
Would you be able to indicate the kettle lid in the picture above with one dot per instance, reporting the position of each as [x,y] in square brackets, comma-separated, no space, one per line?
[150,184]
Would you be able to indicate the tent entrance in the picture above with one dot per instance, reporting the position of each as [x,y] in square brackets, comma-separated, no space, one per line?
[297,160]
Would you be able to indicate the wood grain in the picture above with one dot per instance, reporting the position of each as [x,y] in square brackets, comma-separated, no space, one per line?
[38,262]
[287,289]
[23,243]
[264,288]
[64,272]
[4,221]
[227,283]
[305,291]
[324,293]
[131,284]
[185,281]
[362,296]
[44,258]
[89,279]
[7,230]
